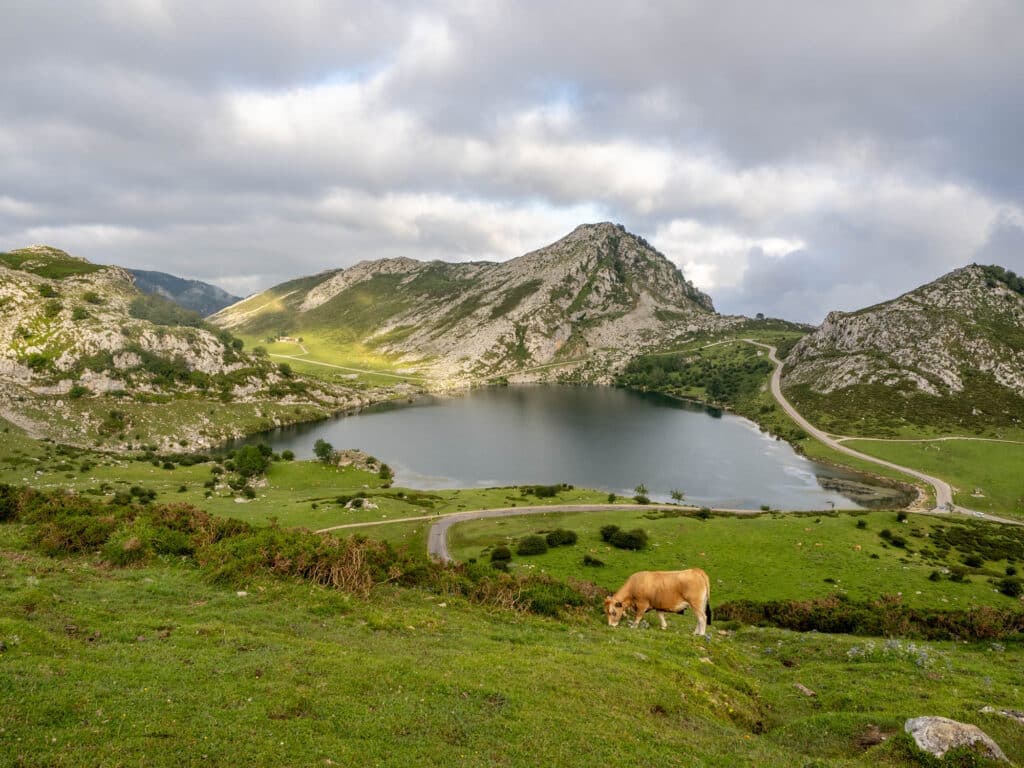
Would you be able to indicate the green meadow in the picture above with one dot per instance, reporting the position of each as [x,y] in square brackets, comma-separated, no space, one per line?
[156,665]
[986,476]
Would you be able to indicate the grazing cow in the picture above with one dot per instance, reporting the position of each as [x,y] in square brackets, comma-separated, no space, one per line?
[672,591]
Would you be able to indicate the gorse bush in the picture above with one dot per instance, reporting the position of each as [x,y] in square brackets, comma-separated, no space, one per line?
[634,539]
[561,537]
[607,531]
[501,553]
[532,545]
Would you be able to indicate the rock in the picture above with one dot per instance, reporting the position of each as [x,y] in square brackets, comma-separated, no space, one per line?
[938,735]
[1013,714]
[804,689]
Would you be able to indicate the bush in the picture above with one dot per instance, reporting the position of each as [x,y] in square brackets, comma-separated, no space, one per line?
[901,517]
[73,535]
[501,553]
[287,455]
[592,562]
[635,539]
[1011,570]
[934,576]
[77,391]
[323,450]
[532,545]
[973,561]
[79,313]
[561,537]
[641,499]
[607,531]
[250,461]
[611,498]
[1011,587]
[131,543]
[862,524]
[548,597]
[704,513]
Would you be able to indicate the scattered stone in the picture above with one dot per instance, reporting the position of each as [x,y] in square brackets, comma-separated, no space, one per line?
[706,660]
[804,689]
[640,656]
[871,737]
[241,593]
[938,735]
[1013,714]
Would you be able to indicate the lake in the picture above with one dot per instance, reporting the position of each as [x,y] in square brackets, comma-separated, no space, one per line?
[595,437]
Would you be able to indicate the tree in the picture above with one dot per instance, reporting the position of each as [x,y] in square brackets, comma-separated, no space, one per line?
[323,450]
[640,490]
[250,460]
[676,494]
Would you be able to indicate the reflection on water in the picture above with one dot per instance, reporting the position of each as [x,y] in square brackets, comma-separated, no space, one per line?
[588,436]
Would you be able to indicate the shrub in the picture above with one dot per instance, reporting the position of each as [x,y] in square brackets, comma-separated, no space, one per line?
[73,535]
[47,291]
[287,455]
[901,517]
[52,308]
[934,576]
[1011,570]
[79,313]
[323,450]
[548,597]
[704,513]
[973,561]
[8,502]
[561,537]
[1011,587]
[862,524]
[500,553]
[635,539]
[92,297]
[532,545]
[607,531]
[641,499]
[131,543]
[77,391]
[592,562]
[611,498]
[250,460]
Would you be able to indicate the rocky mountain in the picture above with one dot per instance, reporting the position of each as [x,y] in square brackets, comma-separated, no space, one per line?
[86,357]
[598,295]
[950,350]
[191,294]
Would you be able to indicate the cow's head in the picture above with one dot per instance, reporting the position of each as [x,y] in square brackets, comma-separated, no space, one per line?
[615,610]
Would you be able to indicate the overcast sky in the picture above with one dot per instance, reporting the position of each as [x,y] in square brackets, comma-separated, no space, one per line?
[790,157]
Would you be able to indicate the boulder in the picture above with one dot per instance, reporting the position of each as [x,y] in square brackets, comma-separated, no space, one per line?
[938,735]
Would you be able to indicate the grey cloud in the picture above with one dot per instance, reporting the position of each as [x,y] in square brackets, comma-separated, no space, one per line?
[118,135]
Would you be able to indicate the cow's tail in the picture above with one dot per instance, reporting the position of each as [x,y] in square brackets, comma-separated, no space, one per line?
[707,609]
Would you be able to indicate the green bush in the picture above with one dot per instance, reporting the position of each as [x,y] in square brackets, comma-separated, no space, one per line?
[532,545]
[561,537]
[641,499]
[607,531]
[862,524]
[47,291]
[634,539]
[250,461]
[1010,586]
[79,313]
[973,561]
[592,562]
[547,597]
[500,553]
[287,455]
[73,534]
[130,544]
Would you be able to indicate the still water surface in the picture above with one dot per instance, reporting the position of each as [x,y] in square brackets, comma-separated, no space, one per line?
[594,437]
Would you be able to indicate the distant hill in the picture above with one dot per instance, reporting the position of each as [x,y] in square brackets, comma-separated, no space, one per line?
[948,353]
[85,357]
[600,294]
[191,294]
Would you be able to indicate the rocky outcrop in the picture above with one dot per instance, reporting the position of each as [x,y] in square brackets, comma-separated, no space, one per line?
[938,735]
[931,340]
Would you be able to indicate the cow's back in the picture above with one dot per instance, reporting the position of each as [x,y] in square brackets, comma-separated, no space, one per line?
[664,589]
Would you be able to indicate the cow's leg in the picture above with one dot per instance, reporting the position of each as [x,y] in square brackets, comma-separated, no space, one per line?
[661,618]
[702,622]
[641,609]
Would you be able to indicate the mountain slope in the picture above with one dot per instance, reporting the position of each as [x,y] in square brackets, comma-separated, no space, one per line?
[191,294]
[599,293]
[948,353]
[86,357]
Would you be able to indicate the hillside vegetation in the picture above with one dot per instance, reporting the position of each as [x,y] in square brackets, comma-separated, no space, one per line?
[200,297]
[86,358]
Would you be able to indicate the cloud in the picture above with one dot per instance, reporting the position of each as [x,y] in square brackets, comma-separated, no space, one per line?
[791,157]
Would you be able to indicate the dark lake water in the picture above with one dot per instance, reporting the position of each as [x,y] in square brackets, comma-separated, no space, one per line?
[595,437]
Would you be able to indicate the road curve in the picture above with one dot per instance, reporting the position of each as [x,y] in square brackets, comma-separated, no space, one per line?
[943,491]
[437,538]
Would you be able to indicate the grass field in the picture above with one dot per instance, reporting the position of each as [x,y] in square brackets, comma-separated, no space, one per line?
[768,557]
[156,666]
[996,470]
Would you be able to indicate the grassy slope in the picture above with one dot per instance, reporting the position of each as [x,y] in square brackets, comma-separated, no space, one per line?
[156,666]
[769,557]
[994,468]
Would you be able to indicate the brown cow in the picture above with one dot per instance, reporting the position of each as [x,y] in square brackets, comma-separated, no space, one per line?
[672,591]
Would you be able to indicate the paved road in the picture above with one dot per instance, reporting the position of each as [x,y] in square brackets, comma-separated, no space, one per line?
[943,491]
